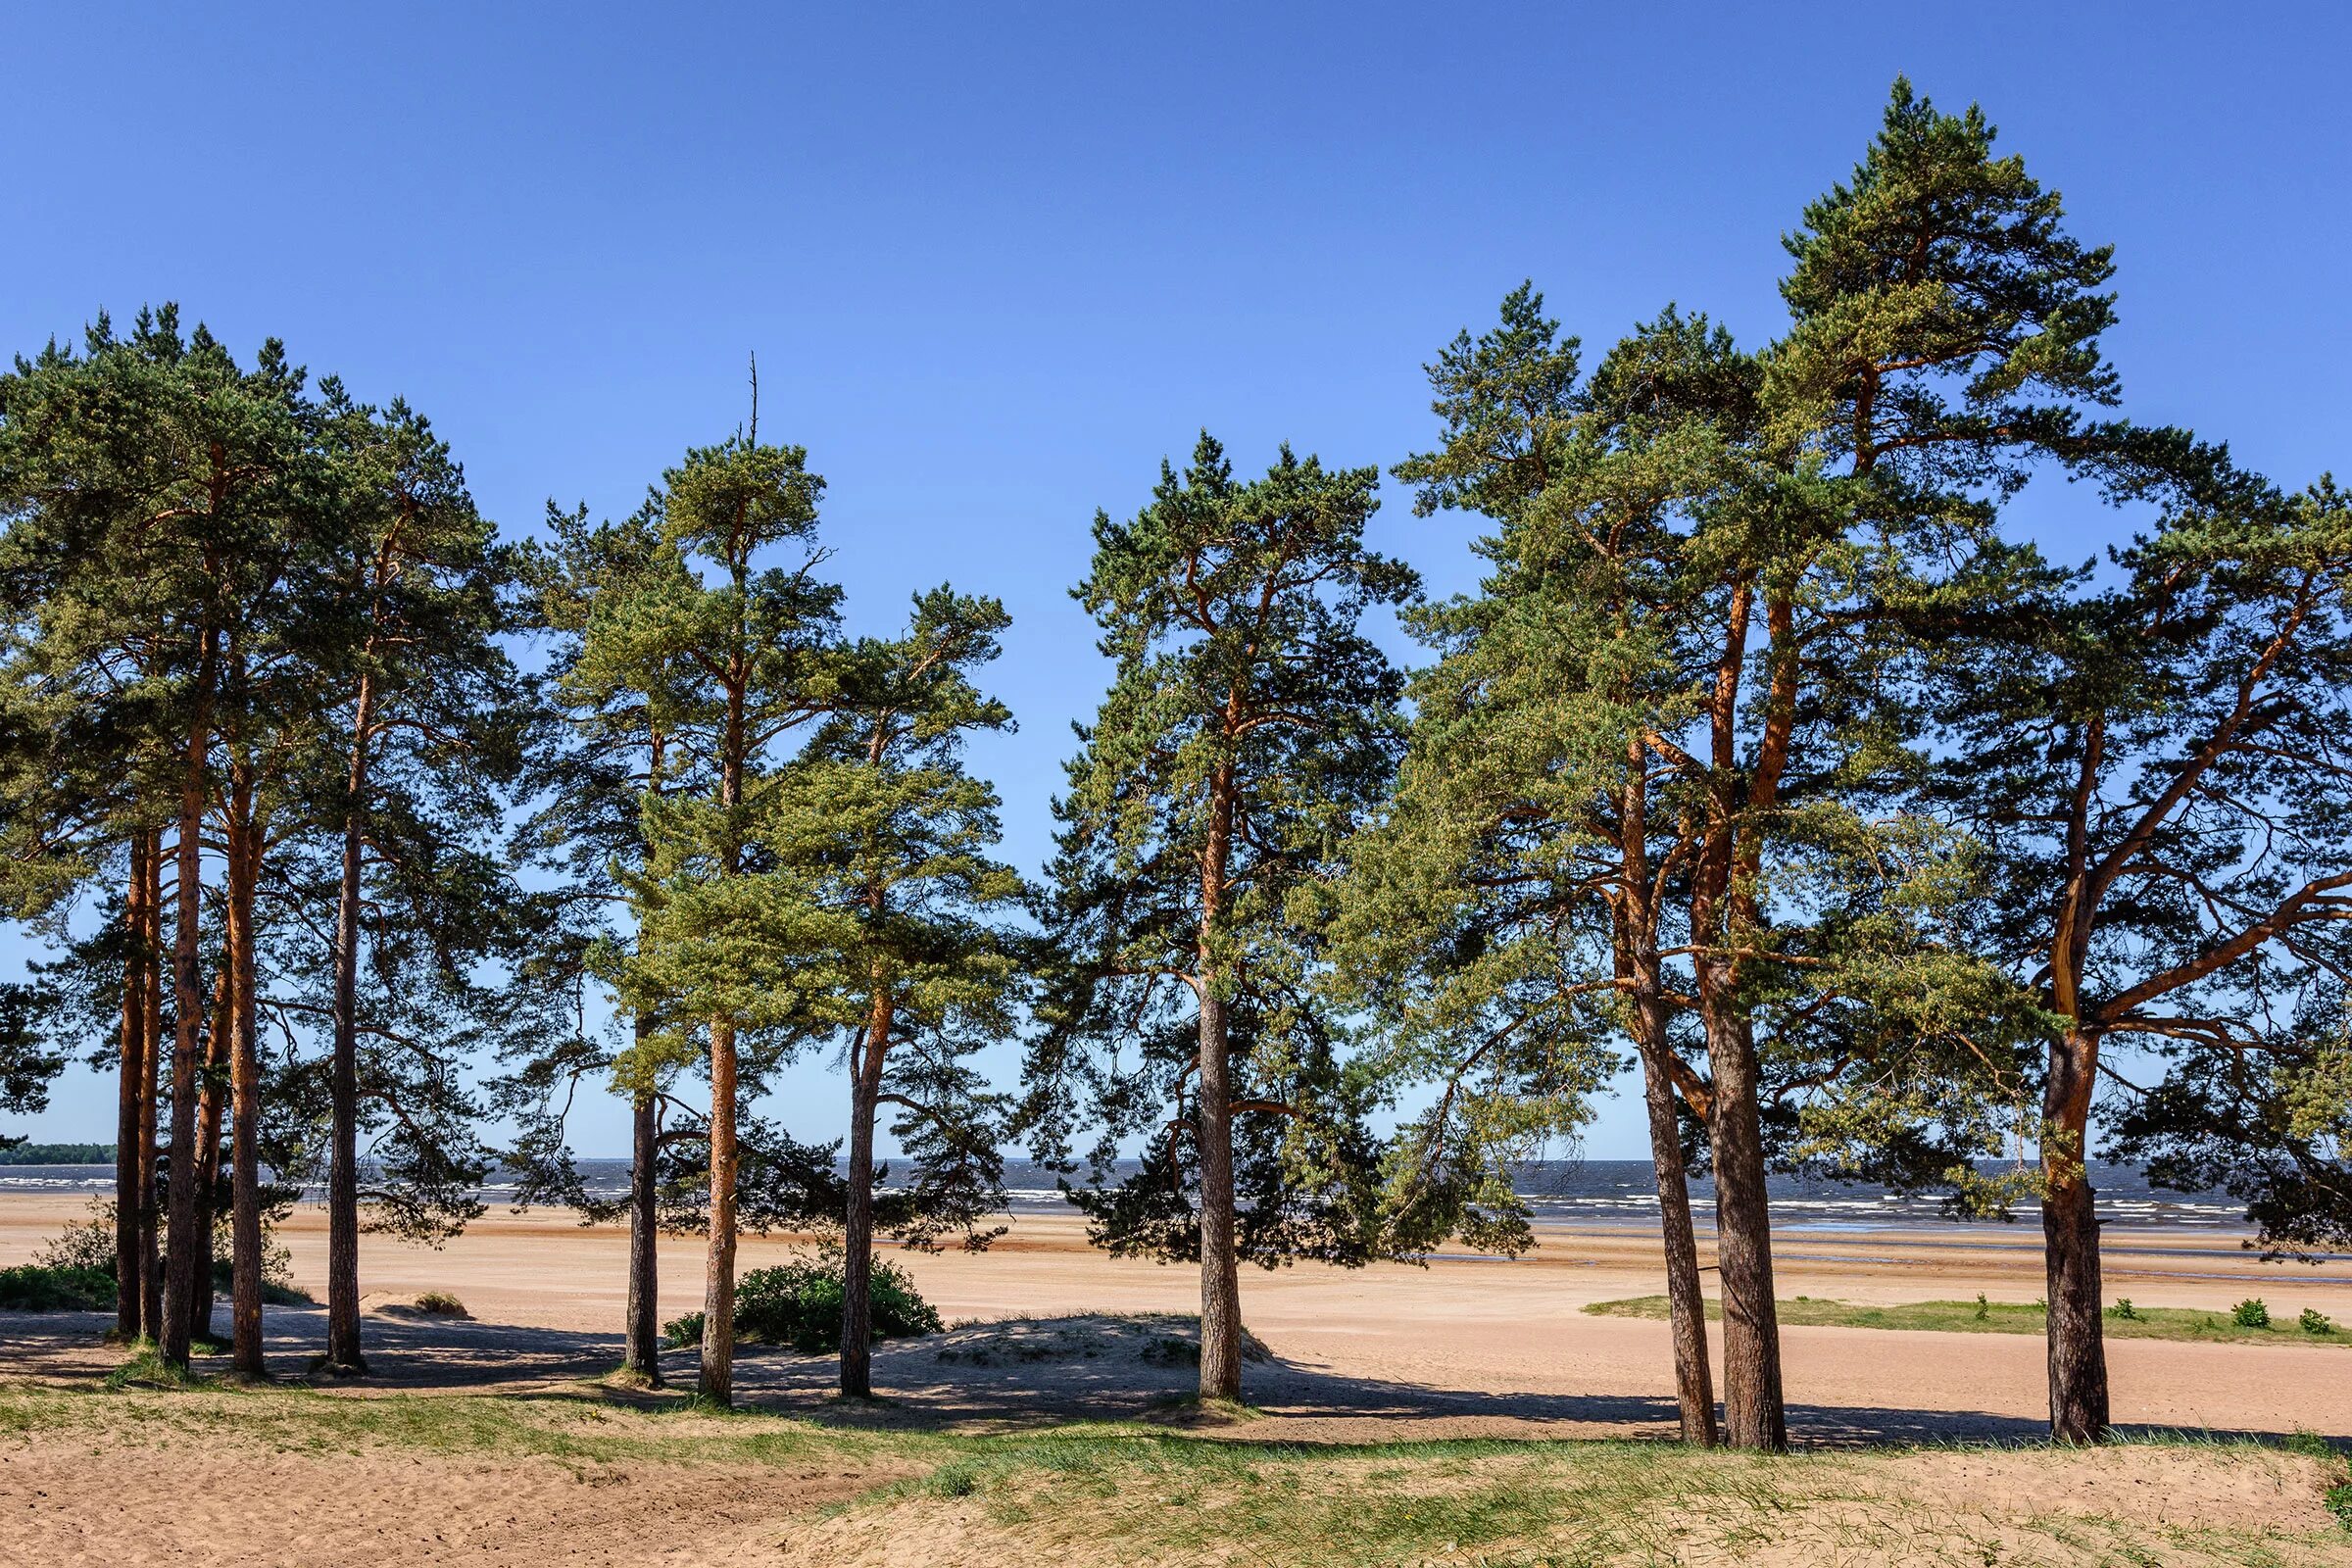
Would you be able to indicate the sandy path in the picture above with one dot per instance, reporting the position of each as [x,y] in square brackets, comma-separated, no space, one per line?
[1461,1346]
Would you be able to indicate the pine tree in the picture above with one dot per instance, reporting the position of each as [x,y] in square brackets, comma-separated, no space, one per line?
[893,837]
[723,934]
[1249,727]
[424,733]
[2160,776]
[1514,910]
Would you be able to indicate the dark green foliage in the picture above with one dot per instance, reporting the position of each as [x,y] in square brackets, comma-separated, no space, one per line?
[46,1287]
[1251,725]
[31,1154]
[2315,1321]
[2250,1315]
[798,1305]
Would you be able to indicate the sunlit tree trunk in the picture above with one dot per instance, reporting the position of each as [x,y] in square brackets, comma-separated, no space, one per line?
[2069,1229]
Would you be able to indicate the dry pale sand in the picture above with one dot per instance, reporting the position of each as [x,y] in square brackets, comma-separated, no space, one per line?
[1462,1347]
[1056,1331]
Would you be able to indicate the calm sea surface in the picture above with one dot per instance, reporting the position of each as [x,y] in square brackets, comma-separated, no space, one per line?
[1562,1192]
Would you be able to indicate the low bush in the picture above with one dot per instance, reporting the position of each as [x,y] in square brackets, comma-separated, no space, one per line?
[2124,1309]
[440,1304]
[2315,1321]
[88,1245]
[47,1288]
[799,1305]
[2250,1314]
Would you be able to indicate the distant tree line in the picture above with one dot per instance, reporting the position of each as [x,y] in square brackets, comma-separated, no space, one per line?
[1767,758]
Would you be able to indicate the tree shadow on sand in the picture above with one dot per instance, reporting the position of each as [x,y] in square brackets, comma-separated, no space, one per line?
[1007,1376]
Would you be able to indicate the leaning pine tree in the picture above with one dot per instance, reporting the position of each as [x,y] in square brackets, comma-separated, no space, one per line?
[2162,777]
[1249,727]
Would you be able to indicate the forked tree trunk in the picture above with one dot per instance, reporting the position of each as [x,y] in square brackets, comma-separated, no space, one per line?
[1753,1415]
[187,1021]
[1686,1302]
[245,1085]
[640,1343]
[717,1384]
[130,1203]
[343,1353]
[857,1230]
[2070,1232]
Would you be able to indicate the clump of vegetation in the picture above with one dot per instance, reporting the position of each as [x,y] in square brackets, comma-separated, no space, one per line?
[47,1288]
[1982,1317]
[799,1305]
[85,1245]
[2122,1310]
[440,1304]
[2250,1314]
[88,1246]
[2314,1321]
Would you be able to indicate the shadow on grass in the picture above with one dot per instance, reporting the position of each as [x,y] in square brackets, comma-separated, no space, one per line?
[1011,1377]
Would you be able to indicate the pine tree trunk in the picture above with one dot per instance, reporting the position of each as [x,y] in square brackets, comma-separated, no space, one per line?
[1637,964]
[209,1099]
[245,1082]
[2070,1232]
[130,1203]
[717,1385]
[1220,1269]
[187,1019]
[640,1347]
[343,1352]
[151,1003]
[1753,1416]
[857,1231]
[1685,1303]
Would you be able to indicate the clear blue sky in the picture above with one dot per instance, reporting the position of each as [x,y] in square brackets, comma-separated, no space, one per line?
[998,260]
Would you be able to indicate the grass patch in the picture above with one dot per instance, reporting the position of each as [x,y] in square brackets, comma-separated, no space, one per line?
[1091,1496]
[2222,1325]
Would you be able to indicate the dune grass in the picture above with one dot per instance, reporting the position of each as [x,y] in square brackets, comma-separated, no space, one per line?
[2214,1325]
[1089,1496]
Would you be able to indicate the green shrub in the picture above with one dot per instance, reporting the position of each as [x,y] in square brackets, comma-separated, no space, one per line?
[2124,1309]
[2315,1321]
[1984,1307]
[2250,1314]
[799,1305]
[90,1244]
[87,1243]
[45,1288]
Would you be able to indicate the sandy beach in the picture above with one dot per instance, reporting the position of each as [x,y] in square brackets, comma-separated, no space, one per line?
[1465,1345]
[1050,1339]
